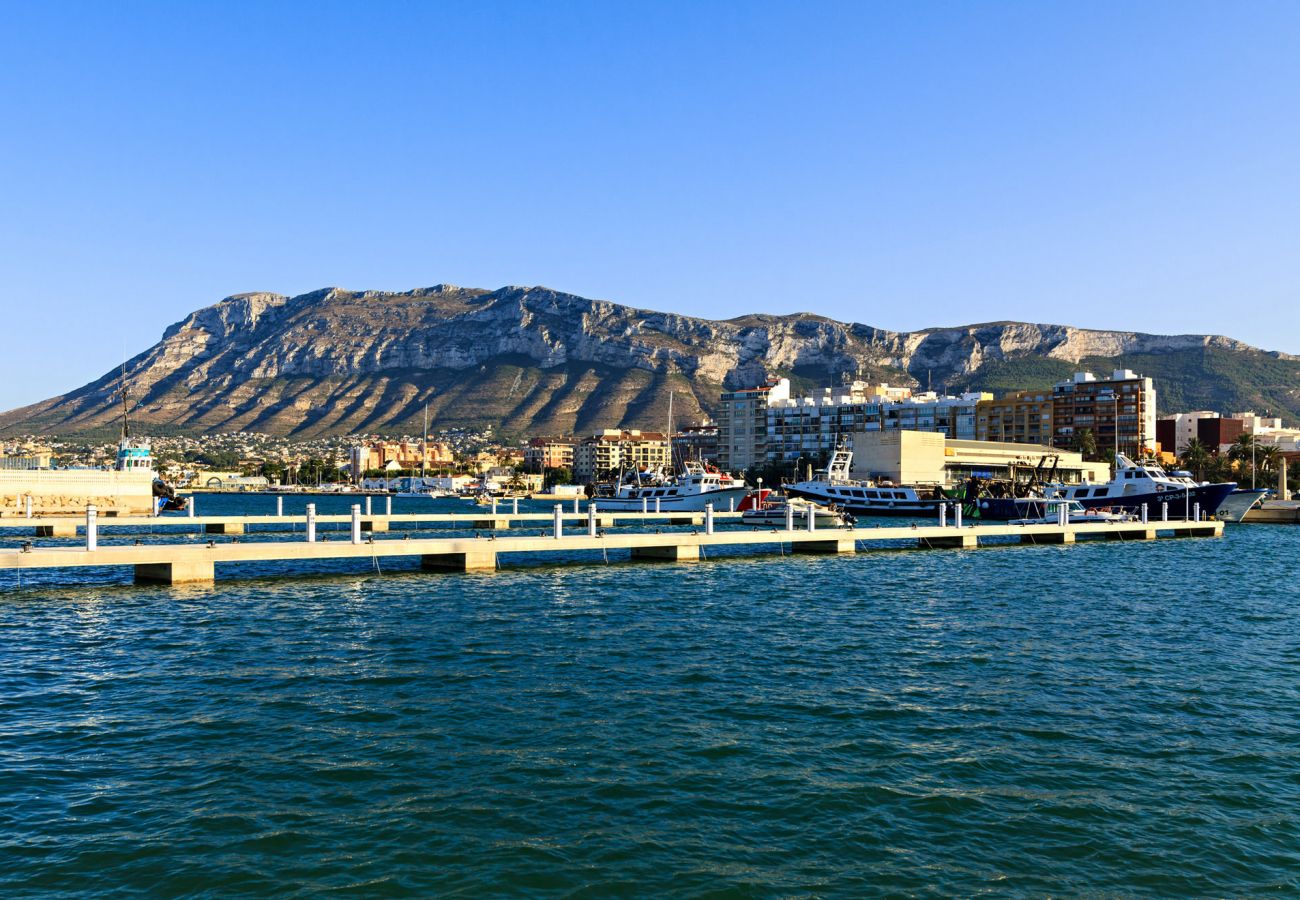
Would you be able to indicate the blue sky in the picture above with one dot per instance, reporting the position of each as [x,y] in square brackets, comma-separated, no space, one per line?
[1129,166]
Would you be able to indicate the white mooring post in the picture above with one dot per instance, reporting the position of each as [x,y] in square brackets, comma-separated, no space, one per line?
[279,506]
[575,506]
[789,516]
[514,506]
[1144,513]
[368,499]
[733,504]
[191,505]
[1065,515]
[388,505]
[656,505]
[708,518]
[943,515]
[812,517]
[591,520]
[645,505]
[1164,510]
[956,514]
[356,523]
[558,521]
[92,527]
[1196,512]
[311,523]
[29,506]
[494,506]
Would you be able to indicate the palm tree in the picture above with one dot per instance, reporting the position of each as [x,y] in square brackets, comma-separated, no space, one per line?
[1196,456]
[1241,448]
[1086,441]
[1269,457]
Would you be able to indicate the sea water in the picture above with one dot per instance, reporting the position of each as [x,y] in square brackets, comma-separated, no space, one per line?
[1103,718]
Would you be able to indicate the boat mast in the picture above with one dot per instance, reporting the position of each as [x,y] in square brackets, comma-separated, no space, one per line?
[668,434]
[126,424]
[424,444]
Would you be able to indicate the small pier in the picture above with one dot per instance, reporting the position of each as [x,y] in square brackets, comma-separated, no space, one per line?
[172,563]
[71,526]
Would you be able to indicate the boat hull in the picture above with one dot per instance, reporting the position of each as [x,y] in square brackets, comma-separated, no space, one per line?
[1239,503]
[859,507]
[1181,503]
[776,518]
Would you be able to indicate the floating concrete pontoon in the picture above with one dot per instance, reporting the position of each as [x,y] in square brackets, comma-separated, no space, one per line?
[71,526]
[178,563]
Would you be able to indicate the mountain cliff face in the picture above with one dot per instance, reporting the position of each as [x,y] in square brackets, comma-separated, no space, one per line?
[534,360]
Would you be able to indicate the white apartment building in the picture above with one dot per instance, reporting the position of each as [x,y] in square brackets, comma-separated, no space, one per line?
[810,427]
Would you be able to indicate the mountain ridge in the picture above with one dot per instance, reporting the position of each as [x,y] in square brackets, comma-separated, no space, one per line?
[533,359]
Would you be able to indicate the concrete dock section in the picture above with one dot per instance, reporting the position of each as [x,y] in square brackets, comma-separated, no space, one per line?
[173,563]
[71,526]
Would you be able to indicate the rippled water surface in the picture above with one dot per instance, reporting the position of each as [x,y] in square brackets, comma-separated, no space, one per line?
[1097,719]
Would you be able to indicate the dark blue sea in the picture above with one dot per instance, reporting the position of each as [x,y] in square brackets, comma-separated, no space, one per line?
[1102,719]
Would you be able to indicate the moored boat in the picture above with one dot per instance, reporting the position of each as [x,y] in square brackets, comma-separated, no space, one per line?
[777,514]
[690,491]
[1238,503]
[1135,485]
[833,487]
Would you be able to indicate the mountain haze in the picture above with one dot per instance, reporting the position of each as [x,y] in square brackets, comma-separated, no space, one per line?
[538,361]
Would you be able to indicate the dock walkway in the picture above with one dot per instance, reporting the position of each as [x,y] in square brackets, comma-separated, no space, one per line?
[71,526]
[172,563]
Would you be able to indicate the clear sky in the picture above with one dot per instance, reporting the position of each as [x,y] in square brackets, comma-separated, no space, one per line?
[1113,165]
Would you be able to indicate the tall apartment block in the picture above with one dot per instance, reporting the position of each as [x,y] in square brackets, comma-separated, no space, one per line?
[742,424]
[1120,411]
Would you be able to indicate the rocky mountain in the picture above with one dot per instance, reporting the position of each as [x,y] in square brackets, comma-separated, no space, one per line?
[537,361]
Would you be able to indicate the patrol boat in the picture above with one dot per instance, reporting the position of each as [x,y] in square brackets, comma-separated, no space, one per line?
[832,486]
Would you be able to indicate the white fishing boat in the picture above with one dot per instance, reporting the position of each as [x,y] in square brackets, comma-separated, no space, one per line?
[689,491]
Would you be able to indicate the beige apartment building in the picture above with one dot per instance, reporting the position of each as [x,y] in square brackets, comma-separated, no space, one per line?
[604,454]
[1024,417]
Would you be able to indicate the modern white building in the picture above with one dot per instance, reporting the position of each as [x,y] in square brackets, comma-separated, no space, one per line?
[809,427]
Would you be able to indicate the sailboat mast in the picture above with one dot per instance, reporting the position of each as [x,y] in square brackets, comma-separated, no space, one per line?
[668,433]
[424,444]
[126,424]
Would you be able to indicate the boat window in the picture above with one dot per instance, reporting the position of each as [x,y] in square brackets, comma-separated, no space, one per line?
[871,494]
[900,495]
[858,492]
